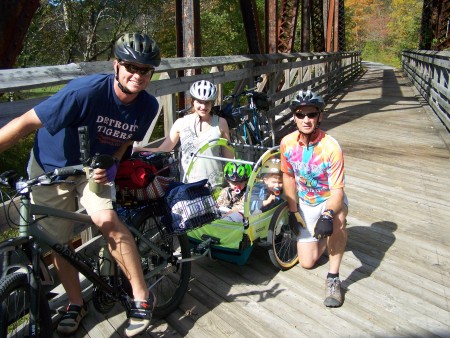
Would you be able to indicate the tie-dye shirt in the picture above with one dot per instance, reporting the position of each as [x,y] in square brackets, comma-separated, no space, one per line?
[317,168]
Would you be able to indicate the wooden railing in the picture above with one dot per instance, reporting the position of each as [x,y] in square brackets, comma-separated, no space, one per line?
[429,72]
[283,74]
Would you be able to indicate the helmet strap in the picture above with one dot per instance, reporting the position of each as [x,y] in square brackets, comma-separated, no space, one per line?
[122,88]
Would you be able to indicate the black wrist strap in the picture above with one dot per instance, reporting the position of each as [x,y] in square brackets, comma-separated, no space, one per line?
[330,212]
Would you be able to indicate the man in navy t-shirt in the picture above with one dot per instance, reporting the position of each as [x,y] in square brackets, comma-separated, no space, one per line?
[117,111]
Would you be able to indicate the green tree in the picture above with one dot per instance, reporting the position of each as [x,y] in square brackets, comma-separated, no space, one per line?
[65,31]
[404,25]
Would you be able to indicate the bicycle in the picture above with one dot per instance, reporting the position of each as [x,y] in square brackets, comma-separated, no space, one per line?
[26,279]
[250,123]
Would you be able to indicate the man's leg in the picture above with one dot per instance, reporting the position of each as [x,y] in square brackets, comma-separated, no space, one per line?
[338,240]
[61,196]
[77,309]
[310,252]
[123,248]
[336,247]
[68,276]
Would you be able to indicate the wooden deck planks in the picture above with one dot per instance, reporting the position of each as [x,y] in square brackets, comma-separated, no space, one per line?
[396,267]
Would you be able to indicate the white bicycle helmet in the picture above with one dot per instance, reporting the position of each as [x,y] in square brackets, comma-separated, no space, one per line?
[307,98]
[203,90]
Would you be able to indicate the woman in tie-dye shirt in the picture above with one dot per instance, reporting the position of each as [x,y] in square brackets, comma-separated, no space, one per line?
[313,179]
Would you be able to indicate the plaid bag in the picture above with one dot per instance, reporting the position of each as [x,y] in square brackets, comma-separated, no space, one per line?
[156,189]
[191,205]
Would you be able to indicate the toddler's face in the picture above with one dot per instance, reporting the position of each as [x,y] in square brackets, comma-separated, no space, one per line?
[274,183]
[237,186]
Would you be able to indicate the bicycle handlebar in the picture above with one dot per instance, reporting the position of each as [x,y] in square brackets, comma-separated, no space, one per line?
[9,178]
[249,92]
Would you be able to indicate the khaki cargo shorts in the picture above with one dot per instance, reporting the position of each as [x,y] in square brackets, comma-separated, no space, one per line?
[67,196]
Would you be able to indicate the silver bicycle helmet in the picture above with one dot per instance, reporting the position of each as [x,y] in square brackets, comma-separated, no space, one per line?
[271,166]
[137,48]
[307,98]
[203,90]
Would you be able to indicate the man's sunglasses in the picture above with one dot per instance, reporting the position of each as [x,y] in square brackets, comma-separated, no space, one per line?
[130,68]
[301,115]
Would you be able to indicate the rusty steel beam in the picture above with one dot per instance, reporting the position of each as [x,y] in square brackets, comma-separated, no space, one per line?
[287,23]
[271,24]
[188,28]
[330,19]
[15,18]
[317,26]
[251,25]
[434,30]
[341,26]
[335,26]
[306,19]
[187,23]
[443,25]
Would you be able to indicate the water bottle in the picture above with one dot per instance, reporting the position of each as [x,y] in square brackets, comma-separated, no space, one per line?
[94,187]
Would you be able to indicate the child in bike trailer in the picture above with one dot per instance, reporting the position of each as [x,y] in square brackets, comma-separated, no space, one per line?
[231,198]
[267,194]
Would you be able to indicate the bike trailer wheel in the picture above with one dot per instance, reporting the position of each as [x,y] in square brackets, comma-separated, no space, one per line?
[283,246]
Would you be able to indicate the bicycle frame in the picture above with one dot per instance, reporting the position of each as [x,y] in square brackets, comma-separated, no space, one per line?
[29,233]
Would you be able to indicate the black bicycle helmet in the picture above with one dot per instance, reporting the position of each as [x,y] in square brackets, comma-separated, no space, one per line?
[236,172]
[203,90]
[137,48]
[307,98]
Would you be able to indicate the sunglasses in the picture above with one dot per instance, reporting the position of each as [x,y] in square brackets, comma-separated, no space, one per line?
[130,68]
[301,116]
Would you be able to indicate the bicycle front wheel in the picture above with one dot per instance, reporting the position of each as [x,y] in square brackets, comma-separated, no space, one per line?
[170,283]
[15,300]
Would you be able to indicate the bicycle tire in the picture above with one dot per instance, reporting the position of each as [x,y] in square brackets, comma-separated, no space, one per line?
[237,135]
[14,306]
[283,251]
[266,134]
[170,290]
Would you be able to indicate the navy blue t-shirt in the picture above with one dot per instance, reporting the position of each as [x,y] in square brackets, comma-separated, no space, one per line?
[89,101]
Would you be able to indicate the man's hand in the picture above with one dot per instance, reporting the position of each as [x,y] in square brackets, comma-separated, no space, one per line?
[296,222]
[324,226]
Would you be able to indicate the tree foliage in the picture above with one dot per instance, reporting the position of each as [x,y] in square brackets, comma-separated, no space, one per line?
[64,31]
[382,28]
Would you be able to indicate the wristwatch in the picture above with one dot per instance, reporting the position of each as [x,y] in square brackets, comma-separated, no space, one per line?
[330,212]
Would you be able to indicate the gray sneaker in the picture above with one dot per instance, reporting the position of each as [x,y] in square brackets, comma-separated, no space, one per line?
[333,293]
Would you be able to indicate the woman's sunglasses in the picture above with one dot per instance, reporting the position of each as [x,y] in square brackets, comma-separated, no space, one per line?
[301,116]
[130,68]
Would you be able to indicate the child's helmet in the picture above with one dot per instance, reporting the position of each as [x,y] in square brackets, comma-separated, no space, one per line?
[237,172]
[271,166]
[203,90]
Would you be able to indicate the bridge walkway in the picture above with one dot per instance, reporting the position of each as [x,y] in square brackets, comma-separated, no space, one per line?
[396,269]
